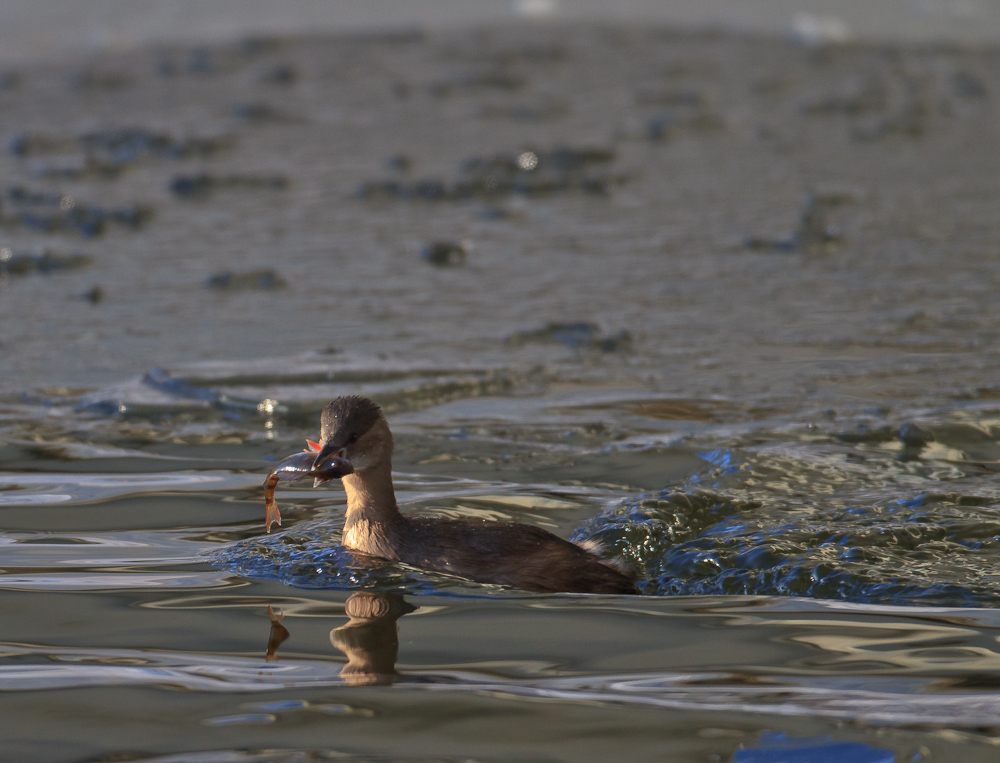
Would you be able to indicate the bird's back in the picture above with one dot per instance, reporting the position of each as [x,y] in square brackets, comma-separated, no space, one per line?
[514,554]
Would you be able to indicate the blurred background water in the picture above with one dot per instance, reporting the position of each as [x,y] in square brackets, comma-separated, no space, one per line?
[713,284]
[30,30]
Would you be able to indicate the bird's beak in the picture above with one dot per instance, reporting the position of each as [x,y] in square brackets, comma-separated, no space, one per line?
[330,464]
[326,452]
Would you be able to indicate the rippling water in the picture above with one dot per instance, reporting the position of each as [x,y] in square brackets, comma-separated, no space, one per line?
[136,573]
[724,304]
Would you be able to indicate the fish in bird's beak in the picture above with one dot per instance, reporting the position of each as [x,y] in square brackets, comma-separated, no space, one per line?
[322,468]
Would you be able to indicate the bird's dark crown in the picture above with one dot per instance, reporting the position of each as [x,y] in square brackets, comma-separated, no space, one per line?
[344,417]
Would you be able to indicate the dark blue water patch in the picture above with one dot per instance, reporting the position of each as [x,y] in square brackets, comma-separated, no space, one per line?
[313,558]
[776,747]
[913,502]
[721,458]
[699,542]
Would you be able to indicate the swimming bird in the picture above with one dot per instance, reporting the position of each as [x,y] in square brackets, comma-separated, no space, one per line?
[356,446]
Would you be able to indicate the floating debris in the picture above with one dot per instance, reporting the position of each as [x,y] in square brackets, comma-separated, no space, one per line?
[254,280]
[445,254]
[201,185]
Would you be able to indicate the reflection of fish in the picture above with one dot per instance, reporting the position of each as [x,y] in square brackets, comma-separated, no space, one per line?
[296,467]
[357,446]
[370,640]
[278,635]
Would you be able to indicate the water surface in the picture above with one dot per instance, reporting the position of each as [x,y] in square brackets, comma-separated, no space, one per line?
[725,304]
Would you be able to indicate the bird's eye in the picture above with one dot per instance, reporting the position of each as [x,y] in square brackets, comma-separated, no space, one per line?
[352,439]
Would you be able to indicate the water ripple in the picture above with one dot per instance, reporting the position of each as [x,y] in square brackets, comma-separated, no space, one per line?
[703,690]
[71,581]
[928,550]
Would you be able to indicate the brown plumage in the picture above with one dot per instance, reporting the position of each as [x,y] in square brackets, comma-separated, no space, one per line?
[519,555]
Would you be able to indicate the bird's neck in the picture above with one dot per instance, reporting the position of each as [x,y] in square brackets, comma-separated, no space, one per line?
[370,497]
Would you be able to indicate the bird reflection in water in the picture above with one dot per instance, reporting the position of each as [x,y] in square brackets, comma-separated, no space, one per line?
[370,639]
